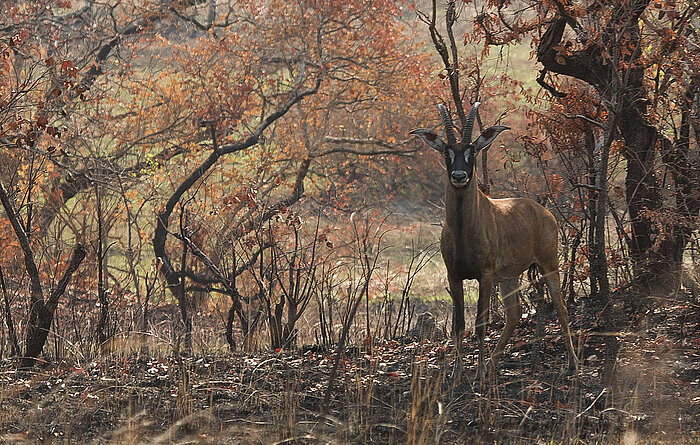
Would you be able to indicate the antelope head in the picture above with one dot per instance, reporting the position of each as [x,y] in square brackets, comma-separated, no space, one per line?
[460,157]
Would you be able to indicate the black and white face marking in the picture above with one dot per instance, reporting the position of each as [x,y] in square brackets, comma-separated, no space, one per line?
[460,157]
[460,165]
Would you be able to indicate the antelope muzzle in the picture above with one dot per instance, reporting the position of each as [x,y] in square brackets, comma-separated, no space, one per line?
[459,178]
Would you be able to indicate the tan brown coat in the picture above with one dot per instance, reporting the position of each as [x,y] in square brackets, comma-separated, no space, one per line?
[492,240]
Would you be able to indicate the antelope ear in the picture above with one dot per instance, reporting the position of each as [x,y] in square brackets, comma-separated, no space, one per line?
[430,138]
[488,136]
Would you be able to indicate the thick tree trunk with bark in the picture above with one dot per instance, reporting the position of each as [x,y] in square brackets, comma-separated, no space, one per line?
[642,194]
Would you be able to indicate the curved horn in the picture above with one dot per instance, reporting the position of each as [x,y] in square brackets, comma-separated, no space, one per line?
[449,126]
[469,126]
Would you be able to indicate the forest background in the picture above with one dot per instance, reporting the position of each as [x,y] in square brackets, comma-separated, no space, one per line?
[213,178]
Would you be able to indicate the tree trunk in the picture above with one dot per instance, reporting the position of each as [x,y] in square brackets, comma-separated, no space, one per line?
[102,334]
[642,195]
[41,313]
[230,339]
[629,105]
[181,293]
[290,331]
[592,207]
[276,334]
[14,344]
[599,264]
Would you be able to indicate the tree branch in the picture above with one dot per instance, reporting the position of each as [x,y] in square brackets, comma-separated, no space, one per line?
[391,149]
[162,219]
[36,291]
[76,258]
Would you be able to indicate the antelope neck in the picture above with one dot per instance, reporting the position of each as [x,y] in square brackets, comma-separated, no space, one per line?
[462,206]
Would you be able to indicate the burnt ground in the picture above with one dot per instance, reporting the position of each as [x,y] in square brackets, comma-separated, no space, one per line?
[391,392]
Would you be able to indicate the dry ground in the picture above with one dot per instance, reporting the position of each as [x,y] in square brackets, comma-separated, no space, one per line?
[392,392]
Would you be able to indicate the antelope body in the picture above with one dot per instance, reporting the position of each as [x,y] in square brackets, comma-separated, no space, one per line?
[491,240]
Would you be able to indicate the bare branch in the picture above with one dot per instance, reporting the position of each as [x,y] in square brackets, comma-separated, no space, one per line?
[585,118]
[296,95]
[76,258]
[390,149]
[548,87]
[36,293]
[451,66]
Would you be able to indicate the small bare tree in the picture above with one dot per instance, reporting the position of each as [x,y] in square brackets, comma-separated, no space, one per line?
[366,244]
[41,309]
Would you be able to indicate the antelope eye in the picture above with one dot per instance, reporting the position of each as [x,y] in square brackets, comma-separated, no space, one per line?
[451,155]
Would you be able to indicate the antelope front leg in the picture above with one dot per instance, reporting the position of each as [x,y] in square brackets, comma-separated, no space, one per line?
[482,320]
[457,294]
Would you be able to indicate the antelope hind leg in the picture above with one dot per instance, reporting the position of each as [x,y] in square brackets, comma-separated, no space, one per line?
[552,280]
[511,301]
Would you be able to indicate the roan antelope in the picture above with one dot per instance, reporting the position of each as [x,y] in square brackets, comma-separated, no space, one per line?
[491,240]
